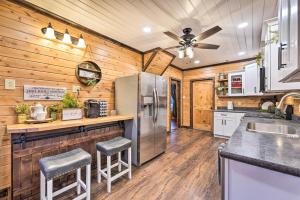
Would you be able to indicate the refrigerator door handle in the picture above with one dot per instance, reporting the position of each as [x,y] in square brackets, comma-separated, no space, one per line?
[157,105]
[154,105]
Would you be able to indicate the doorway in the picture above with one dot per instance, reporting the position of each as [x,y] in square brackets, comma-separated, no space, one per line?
[202,98]
[175,111]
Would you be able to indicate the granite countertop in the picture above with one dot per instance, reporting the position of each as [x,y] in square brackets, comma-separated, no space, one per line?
[271,151]
[249,113]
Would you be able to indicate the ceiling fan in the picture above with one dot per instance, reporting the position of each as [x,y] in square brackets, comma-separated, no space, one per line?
[188,41]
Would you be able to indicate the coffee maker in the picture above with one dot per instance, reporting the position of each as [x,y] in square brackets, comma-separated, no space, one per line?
[92,108]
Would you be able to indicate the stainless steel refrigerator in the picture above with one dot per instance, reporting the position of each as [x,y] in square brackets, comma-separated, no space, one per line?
[144,96]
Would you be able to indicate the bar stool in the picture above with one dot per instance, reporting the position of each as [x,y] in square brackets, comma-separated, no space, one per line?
[58,165]
[109,148]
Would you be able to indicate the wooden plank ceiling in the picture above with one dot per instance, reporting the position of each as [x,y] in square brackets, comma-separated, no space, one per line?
[123,20]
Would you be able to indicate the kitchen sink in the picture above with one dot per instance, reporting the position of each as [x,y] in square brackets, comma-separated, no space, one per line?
[272,129]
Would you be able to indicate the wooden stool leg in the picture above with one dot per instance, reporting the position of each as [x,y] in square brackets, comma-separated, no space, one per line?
[108,174]
[50,189]
[88,182]
[99,166]
[119,161]
[78,175]
[129,162]
[42,186]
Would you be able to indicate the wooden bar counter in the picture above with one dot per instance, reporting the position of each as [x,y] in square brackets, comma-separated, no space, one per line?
[27,128]
[31,142]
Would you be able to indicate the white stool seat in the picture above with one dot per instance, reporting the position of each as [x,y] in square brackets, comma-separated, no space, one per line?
[58,165]
[109,148]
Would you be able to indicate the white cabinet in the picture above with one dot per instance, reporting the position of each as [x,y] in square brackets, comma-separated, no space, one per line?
[225,123]
[236,83]
[248,182]
[288,56]
[252,80]
[271,62]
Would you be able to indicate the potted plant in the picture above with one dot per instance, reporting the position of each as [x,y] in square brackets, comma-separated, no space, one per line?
[54,110]
[71,108]
[220,90]
[22,110]
[91,82]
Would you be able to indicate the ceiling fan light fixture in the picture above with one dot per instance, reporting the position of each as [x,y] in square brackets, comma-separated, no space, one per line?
[189,52]
[181,53]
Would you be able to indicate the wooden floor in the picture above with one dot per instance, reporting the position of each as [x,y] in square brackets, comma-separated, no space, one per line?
[188,170]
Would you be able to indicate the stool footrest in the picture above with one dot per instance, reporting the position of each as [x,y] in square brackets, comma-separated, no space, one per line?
[119,174]
[82,196]
[64,189]
[112,166]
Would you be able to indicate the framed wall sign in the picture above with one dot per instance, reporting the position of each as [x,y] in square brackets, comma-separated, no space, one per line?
[88,73]
[43,93]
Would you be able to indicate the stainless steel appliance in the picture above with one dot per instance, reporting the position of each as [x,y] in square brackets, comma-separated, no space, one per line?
[144,96]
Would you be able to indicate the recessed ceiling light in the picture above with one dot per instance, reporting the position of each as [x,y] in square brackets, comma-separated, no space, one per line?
[241,53]
[243,25]
[197,61]
[147,29]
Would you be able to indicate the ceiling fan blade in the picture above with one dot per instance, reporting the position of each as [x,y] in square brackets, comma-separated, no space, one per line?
[206,46]
[173,36]
[172,47]
[208,33]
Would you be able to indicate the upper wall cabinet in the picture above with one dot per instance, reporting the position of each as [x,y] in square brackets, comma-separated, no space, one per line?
[271,50]
[245,83]
[236,83]
[288,57]
[252,79]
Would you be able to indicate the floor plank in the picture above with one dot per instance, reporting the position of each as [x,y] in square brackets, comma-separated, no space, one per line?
[188,170]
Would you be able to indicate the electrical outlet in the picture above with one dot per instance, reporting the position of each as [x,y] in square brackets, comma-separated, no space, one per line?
[10,84]
[76,88]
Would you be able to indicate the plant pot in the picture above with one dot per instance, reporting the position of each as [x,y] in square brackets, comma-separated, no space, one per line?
[53,115]
[21,118]
[71,113]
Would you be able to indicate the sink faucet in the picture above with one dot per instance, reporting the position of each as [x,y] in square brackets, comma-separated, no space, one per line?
[278,107]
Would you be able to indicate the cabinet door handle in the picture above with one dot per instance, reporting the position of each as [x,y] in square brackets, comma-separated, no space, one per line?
[280,48]
[225,122]
[222,121]
[255,90]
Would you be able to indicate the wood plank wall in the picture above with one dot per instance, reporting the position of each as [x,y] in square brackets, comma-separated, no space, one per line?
[27,57]
[213,72]
[159,62]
